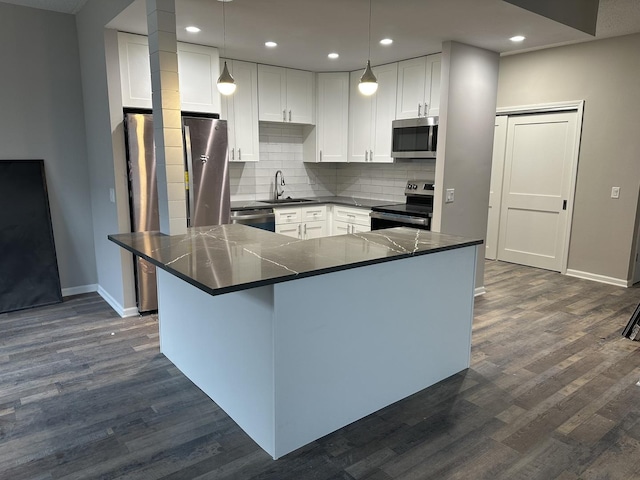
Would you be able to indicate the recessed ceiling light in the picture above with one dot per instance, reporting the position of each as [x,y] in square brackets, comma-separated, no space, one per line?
[270,44]
[192,29]
[386,41]
[517,38]
[333,55]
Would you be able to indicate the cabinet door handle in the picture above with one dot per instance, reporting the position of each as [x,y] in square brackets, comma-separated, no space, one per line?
[299,231]
[426,108]
[233,154]
[320,155]
[239,154]
[305,229]
[284,115]
[289,115]
[371,155]
[419,108]
[366,156]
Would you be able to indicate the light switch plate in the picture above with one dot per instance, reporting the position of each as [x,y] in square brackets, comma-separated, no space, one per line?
[449,195]
[615,192]
[112,195]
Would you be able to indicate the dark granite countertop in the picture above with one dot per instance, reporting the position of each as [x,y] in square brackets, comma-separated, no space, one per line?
[228,258]
[346,201]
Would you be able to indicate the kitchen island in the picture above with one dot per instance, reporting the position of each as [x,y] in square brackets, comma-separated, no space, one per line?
[297,338]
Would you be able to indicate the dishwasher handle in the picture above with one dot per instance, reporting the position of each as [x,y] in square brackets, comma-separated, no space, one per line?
[253,217]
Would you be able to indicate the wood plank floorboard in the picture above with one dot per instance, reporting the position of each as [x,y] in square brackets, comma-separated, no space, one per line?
[551,395]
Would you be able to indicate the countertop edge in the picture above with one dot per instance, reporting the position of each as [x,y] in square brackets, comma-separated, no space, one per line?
[287,278]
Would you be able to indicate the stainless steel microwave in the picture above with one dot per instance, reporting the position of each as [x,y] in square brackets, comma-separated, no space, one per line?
[415,137]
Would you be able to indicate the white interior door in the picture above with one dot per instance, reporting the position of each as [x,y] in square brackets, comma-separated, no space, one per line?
[495,190]
[540,153]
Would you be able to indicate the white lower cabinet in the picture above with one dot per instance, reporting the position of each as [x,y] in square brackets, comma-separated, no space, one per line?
[342,228]
[315,221]
[290,229]
[302,222]
[348,220]
[314,229]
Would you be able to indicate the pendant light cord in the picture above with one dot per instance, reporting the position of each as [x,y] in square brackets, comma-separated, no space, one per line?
[369,43]
[224,31]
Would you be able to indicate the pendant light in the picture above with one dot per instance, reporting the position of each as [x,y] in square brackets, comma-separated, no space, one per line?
[368,81]
[226,83]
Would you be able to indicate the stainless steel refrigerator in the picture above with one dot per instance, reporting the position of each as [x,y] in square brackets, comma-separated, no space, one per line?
[206,184]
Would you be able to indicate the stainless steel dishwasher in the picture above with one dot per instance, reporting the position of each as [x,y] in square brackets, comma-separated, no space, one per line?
[263,218]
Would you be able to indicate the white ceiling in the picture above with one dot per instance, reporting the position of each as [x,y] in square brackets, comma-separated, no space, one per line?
[62,6]
[307,30]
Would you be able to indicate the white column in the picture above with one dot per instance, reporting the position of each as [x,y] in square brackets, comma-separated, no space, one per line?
[161,24]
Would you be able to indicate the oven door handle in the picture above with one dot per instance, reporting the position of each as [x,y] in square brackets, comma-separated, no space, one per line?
[400,218]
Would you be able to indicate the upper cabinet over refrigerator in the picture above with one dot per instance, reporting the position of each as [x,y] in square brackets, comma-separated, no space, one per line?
[198,68]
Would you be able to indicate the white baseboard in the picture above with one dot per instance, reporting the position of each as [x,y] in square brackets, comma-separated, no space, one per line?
[479,291]
[618,282]
[67,292]
[120,310]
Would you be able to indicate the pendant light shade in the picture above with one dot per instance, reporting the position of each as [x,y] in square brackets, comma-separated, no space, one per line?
[368,81]
[226,83]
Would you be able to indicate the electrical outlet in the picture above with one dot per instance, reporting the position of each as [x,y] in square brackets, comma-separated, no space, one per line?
[449,195]
[615,192]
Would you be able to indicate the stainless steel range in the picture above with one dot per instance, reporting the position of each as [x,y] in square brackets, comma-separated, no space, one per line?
[416,212]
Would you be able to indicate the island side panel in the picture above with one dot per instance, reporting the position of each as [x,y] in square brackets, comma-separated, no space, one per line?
[351,342]
[223,344]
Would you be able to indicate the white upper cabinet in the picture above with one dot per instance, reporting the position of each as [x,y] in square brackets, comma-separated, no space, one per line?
[135,70]
[370,117]
[419,87]
[198,68]
[241,112]
[285,95]
[333,116]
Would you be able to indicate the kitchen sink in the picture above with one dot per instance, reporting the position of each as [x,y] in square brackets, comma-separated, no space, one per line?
[287,200]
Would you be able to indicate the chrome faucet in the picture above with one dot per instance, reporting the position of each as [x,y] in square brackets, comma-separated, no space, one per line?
[277,193]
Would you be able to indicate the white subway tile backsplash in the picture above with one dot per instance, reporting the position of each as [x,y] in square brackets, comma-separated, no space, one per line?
[281,148]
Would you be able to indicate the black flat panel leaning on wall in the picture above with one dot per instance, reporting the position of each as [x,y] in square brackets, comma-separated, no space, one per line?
[28,267]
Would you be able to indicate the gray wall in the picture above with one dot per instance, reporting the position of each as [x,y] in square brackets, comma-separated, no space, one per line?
[114,266]
[467,118]
[41,116]
[604,73]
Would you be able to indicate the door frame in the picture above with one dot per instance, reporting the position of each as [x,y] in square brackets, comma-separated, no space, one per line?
[555,107]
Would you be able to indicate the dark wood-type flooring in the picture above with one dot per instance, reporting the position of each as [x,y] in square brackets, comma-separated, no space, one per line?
[551,394]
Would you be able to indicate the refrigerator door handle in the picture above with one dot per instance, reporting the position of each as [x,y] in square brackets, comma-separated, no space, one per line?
[190,197]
